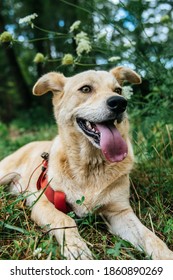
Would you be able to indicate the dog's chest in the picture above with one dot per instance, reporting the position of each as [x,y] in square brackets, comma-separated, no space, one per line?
[86,193]
[86,201]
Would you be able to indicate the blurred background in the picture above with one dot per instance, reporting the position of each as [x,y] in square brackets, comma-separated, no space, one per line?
[138,34]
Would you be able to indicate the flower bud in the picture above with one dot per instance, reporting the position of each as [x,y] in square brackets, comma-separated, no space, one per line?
[39,58]
[67,59]
[165,19]
[6,37]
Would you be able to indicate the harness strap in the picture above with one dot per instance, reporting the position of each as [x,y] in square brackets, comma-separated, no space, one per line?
[58,198]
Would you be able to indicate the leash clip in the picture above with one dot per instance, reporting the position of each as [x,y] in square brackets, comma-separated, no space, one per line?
[45,156]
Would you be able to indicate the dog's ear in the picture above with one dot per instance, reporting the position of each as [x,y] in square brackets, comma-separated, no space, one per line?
[51,81]
[122,74]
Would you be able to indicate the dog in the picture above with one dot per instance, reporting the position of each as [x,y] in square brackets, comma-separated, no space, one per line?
[90,158]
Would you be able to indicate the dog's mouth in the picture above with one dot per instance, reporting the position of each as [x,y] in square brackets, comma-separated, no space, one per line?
[106,137]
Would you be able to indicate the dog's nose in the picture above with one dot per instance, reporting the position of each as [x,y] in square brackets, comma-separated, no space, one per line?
[117,104]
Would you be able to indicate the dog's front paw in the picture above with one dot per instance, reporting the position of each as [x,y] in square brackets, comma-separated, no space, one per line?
[76,251]
[160,251]
[165,254]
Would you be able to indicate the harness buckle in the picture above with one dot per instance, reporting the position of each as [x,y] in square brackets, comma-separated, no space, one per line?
[45,155]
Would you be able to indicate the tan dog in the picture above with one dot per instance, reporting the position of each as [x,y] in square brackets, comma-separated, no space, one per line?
[91,158]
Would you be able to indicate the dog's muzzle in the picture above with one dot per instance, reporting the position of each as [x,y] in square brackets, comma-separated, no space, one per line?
[104,134]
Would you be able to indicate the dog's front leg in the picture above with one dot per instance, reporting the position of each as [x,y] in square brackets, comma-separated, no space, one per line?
[63,227]
[127,226]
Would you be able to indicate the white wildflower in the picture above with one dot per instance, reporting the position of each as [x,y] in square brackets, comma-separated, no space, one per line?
[83,46]
[80,36]
[28,19]
[129,44]
[75,25]
[114,58]
[101,35]
[37,253]
[83,43]
[127,92]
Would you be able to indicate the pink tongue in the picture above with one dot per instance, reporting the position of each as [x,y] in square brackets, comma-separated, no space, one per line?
[112,144]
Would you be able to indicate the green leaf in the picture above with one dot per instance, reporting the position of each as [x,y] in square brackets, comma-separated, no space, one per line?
[116,250]
[13,228]
[80,201]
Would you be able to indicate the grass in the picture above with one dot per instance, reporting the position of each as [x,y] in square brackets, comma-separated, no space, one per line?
[151,199]
[20,237]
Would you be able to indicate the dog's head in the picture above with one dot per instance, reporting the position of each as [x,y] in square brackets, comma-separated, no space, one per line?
[92,102]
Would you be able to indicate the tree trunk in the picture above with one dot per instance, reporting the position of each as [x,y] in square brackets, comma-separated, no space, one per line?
[23,88]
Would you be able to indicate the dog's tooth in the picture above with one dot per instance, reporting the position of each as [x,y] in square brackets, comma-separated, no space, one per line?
[88,125]
[94,130]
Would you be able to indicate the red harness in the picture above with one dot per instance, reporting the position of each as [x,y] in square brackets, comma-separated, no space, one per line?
[58,198]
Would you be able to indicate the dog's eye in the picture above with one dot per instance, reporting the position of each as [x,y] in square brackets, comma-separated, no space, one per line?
[86,89]
[118,90]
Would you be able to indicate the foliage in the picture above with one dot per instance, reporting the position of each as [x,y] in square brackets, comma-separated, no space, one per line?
[25,129]
[138,35]
[20,238]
